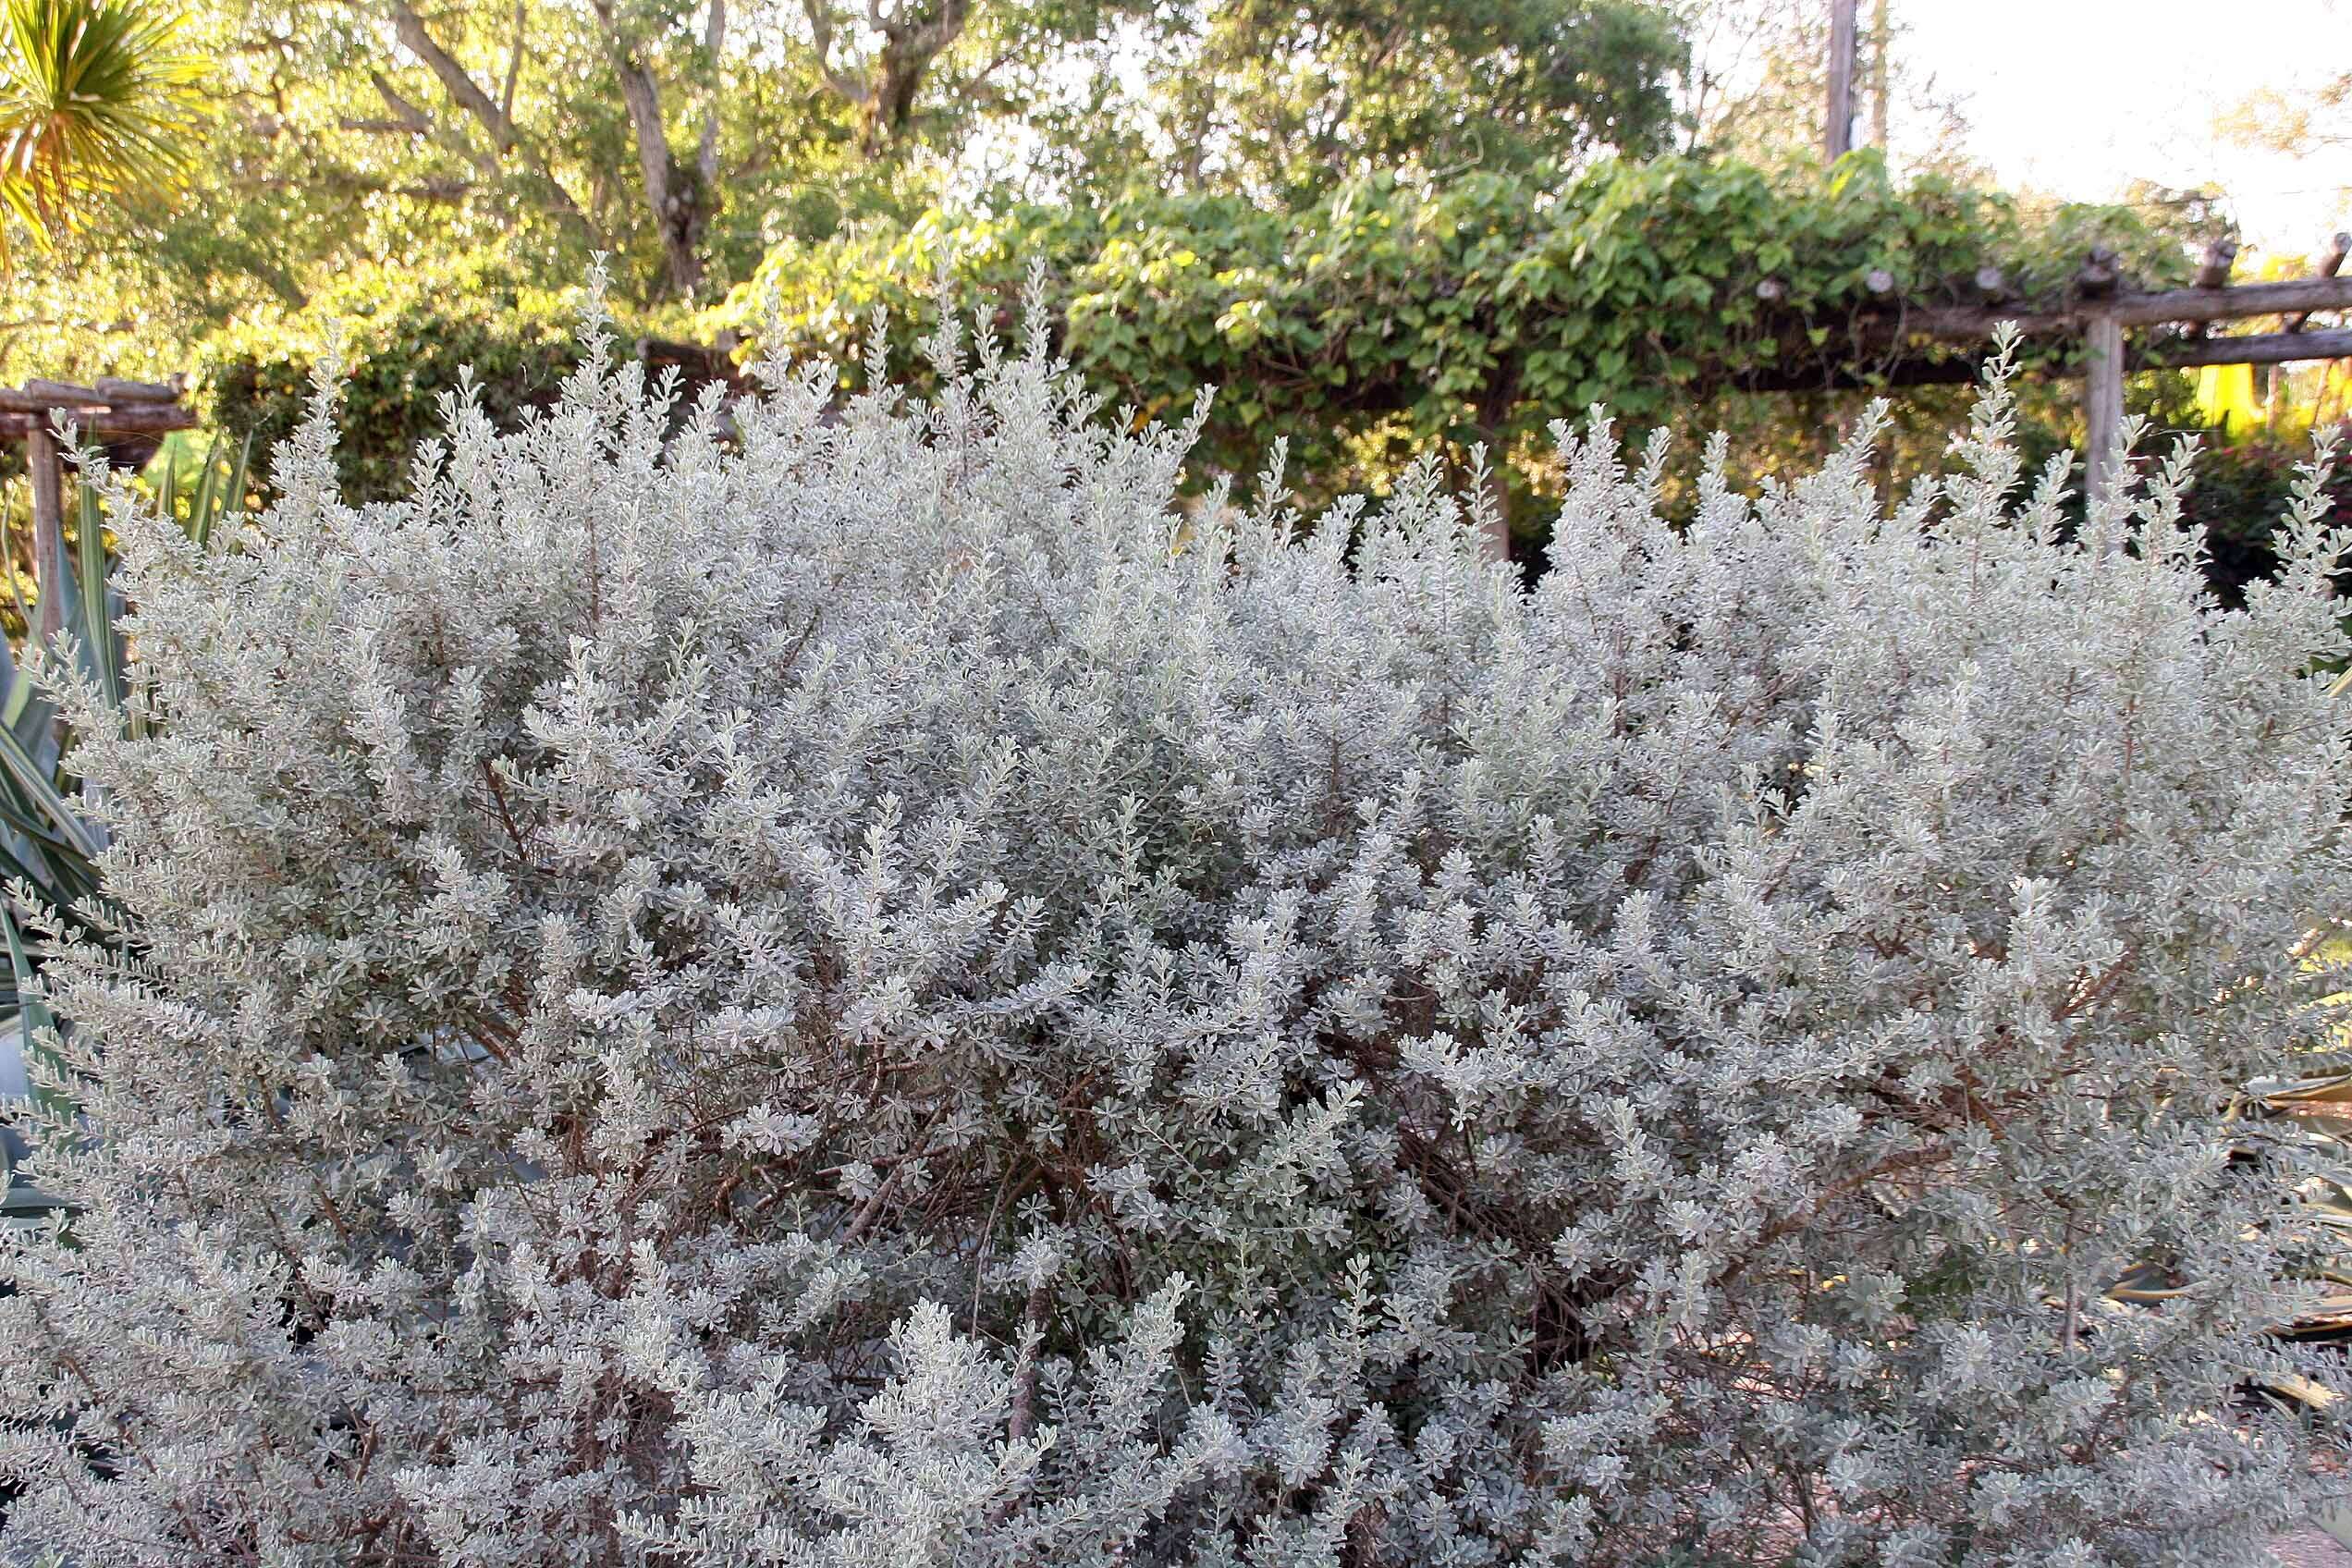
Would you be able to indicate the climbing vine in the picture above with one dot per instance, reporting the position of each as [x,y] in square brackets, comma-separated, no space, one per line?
[1391,316]
[1478,309]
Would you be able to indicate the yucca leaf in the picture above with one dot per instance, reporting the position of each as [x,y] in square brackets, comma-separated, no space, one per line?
[42,790]
[95,631]
[14,815]
[167,483]
[220,492]
[233,500]
[200,504]
[32,1016]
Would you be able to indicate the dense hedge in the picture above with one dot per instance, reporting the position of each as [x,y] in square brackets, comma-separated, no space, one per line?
[2241,490]
[1481,310]
[1383,318]
[407,333]
[833,1000]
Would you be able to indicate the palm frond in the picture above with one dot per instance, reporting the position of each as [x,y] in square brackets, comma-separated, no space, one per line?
[96,103]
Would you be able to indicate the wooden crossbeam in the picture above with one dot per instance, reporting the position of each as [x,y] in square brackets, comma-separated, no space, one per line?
[2237,303]
[2263,349]
[2098,318]
[111,407]
[2258,349]
[135,420]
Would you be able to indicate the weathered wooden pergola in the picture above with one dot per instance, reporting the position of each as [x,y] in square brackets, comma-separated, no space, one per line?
[1895,343]
[1901,344]
[107,412]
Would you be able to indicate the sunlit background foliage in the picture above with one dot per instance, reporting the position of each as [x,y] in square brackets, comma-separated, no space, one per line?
[1401,219]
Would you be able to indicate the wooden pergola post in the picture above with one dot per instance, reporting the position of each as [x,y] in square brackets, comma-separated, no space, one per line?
[2103,367]
[111,408]
[48,528]
[2102,398]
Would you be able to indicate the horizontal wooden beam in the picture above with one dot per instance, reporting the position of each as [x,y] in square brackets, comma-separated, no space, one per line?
[2235,303]
[144,419]
[39,397]
[60,393]
[2262,348]
[117,391]
[1834,376]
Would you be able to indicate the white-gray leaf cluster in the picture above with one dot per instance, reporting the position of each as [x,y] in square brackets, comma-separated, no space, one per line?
[867,987]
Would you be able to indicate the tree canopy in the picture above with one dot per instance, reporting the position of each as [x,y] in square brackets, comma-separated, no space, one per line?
[689,136]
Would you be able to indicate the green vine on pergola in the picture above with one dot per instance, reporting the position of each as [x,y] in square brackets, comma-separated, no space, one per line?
[1485,306]
[1393,314]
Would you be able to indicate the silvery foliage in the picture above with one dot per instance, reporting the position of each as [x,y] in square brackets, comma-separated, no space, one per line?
[886,995]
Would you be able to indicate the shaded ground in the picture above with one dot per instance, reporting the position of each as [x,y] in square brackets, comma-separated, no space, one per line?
[2311,1548]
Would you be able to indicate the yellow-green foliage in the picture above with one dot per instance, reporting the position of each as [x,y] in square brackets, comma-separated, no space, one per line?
[1480,309]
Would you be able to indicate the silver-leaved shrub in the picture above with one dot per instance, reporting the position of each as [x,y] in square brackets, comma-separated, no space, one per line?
[877,991]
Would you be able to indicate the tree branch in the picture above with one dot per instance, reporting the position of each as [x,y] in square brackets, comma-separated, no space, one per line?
[461,88]
[848,88]
[467,95]
[404,113]
[514,70]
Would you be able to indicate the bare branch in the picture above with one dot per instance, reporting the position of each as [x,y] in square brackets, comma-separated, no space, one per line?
[850,88]
[461,88]
[514,68]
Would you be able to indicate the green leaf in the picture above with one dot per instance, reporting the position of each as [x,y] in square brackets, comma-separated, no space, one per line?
[98,653]
[33,1017]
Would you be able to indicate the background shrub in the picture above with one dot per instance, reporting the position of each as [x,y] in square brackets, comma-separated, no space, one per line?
[406,334]
[1399,312]
[881,997]
[2241,489]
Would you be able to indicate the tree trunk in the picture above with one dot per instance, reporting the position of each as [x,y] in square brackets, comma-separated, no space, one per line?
[675,196]
[1837,135]
[885,95]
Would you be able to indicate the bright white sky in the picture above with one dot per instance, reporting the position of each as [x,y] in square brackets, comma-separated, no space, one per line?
[2077,98]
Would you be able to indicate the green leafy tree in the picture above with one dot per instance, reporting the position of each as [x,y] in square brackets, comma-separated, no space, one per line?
[683,136]
[1401,310]
[688,137]
[1275,98]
